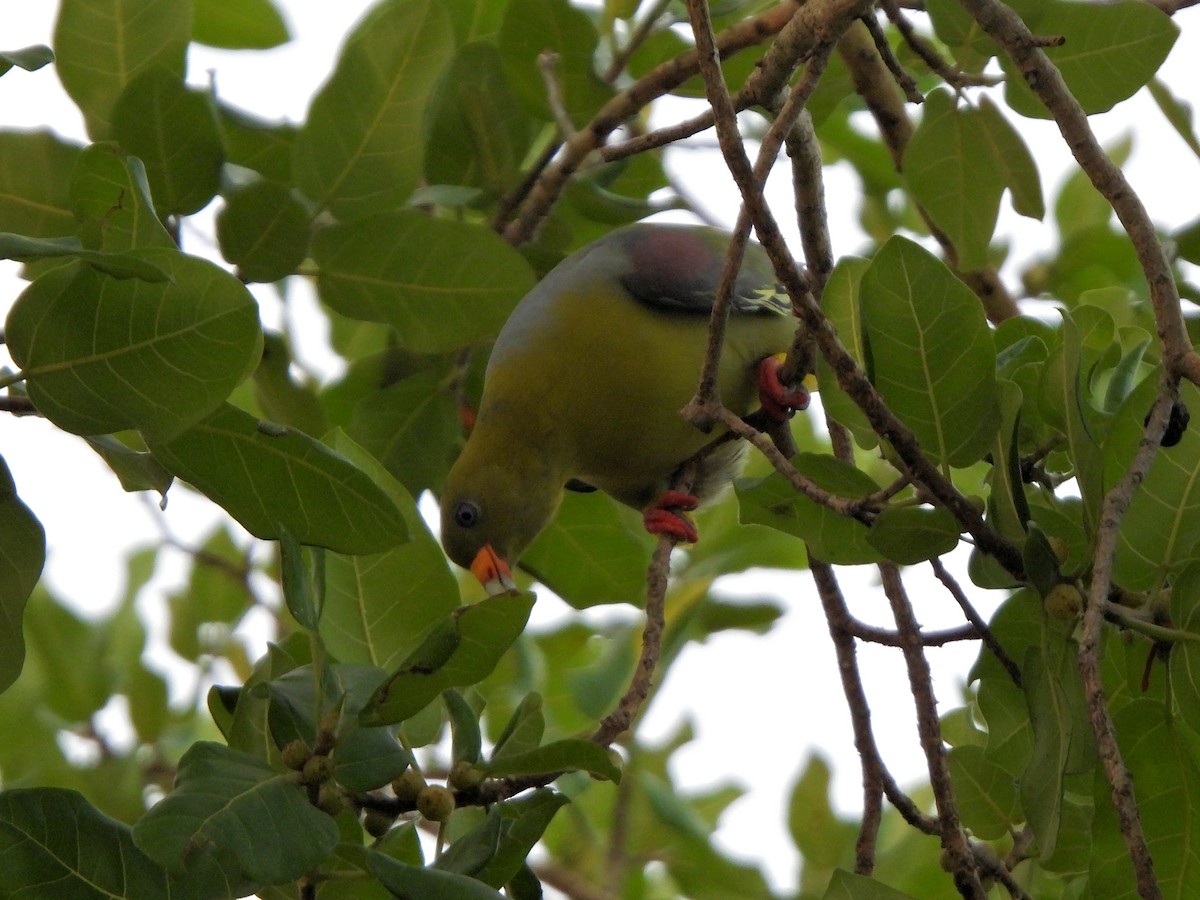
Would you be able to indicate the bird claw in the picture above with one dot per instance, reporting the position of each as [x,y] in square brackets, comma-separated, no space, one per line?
[666,517]
[778,401]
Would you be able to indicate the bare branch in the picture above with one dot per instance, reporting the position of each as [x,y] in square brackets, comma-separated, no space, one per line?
[960,858]
[663,78]
[1115,503]
[976,620]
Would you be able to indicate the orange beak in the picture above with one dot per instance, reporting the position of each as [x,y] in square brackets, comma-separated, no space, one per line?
[493,572]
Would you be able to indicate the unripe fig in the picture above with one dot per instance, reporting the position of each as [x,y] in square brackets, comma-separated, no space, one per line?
[317,770]
[295,754]
[1059,546]
[377,823]
[408,786]
[465,775]
[1064,601]
[435,803]
[330,800]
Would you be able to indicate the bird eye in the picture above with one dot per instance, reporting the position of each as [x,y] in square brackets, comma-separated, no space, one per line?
[466,514]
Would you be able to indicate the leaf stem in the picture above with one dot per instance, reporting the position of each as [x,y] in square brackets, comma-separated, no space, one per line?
[12,378]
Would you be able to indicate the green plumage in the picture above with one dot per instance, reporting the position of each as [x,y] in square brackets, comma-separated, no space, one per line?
[588,375]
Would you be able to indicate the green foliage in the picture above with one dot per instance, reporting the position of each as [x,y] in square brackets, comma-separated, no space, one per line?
[330,660]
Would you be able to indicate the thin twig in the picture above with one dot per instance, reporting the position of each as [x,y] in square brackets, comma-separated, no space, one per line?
[929,55]
[976,620]
[663,78]
[643,30]
[875,774]
[547,62]
[657,575]
[960,859]
[843,506]
[905,81]
[618,721]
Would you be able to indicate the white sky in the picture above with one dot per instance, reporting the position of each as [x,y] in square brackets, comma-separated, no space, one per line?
[760,704]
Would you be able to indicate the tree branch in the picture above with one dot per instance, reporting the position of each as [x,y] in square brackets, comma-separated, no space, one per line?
[544,192]
[849,374]
[1005,27]
[960,858]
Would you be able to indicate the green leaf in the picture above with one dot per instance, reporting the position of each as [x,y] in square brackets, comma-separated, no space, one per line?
[1082,210]
[957,28]
[822,839]
[1012,159]
[111,199]
[1007,506]
[302,589]
[102,47]
[931,350]
[568,755]
[462,652]
[504,840]
[263,229]
[173,130]
[840,302]
[590,555]
[1178,112]
[418,881]
[441,284]
[381,606]
[217,590]
[22,555]
[1161,753]
[413,428]
[238,24]
[1040,562]
[532,27]
[986,794]
[1064,407]
[118,265]
[229,804]
[1111,50]
[846,885]
[50,836]
[911,534]
[35,171]
[524,729]
[271,478]
[361,151]
[1185,655]
[1062,737]
[1161,528]
[833,538]
[137,470]
[464,726]
[101,354]
[28,58]
[949,168]
[476,20]
[478,133]
[254,143]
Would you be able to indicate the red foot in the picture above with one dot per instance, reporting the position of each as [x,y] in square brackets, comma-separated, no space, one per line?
[777,400]
[666,517]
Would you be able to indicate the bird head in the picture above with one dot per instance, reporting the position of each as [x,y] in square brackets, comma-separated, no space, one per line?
[491,512]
